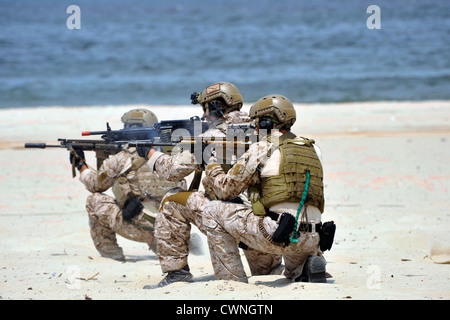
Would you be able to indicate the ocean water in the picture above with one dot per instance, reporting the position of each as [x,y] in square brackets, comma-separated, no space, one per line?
[160,51]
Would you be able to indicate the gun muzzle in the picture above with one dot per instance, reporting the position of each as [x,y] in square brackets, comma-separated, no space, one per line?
[93,133]
[42,145]
[35,145]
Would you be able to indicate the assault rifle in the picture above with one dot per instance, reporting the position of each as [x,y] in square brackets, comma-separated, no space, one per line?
[112,141]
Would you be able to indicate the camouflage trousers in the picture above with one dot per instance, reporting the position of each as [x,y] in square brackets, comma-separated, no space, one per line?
[227,223]
[105,221]
[179,209]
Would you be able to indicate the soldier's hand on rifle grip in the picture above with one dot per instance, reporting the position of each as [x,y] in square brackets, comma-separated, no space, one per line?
[77,156]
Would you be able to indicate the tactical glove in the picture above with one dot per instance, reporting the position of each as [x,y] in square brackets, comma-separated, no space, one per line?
[77,156]
[143,152]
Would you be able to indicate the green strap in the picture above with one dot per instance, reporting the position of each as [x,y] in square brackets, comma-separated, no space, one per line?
[294,237]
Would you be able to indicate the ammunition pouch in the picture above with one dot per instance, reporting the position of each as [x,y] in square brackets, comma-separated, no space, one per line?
[131,209]
[286,224]
[327,235]
[254,196]
[285,227]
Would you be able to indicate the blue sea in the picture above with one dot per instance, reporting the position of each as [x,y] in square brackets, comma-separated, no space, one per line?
[160,51]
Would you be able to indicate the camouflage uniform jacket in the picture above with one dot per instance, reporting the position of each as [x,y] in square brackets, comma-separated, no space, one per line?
[127,181]
[105,213]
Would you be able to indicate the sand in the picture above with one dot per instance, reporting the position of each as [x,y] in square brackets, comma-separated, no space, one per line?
[387,181]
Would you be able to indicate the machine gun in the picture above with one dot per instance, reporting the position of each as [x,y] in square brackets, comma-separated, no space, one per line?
[165,133]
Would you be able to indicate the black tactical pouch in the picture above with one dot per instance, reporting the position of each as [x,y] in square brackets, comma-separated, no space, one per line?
[285,228]
[132,208]
[327,235]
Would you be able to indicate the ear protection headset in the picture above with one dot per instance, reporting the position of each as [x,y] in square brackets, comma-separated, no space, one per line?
[265,123]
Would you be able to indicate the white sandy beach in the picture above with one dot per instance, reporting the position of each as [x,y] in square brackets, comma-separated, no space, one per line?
[387,187]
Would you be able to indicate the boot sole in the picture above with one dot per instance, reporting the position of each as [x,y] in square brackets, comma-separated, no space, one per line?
[316,268]
[162,283]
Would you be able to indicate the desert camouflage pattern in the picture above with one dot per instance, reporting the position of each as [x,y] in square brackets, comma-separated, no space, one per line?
[105,212]
[179,209]
[139,181]
[243,174]
[228,223]
[105,221]
[176,166]
[237,117]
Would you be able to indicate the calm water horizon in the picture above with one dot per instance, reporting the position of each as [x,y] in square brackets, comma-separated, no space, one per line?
[160,51]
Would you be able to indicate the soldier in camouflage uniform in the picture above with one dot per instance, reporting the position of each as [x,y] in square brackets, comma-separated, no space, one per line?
[137,194]
[284,177]
[179,209]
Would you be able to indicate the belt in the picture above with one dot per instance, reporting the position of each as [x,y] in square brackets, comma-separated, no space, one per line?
[305,227]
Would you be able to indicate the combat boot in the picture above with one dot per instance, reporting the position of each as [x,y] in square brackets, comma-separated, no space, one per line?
[115,253]
[183,274]
[313,271]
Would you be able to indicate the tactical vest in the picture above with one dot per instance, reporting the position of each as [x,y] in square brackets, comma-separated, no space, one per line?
[289,184]
[137,180]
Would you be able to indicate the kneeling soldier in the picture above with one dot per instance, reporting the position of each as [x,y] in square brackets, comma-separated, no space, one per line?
[137,194]
[284,177]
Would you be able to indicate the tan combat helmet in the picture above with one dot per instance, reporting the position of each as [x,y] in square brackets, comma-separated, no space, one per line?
[227,91]
[139,118]
[277,108]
